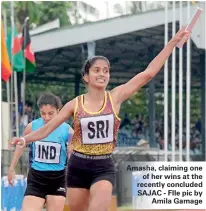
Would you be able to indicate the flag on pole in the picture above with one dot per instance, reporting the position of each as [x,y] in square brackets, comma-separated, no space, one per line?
[16,43]
[26,47]
[24,44]
[14,50]
[6,69]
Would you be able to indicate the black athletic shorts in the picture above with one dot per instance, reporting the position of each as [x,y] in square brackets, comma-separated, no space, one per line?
[85,170]
[43,183]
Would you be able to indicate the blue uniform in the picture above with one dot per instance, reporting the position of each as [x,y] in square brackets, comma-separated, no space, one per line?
[50,154]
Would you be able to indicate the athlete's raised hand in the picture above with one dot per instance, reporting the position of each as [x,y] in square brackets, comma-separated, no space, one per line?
[181,35]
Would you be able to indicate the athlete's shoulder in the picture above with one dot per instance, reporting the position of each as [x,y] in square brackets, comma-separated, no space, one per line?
[66,130]
[39,120]
[65,125]
[37,123]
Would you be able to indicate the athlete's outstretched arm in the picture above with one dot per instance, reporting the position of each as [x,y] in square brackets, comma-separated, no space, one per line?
[65,113]
[17,154]
[123,92]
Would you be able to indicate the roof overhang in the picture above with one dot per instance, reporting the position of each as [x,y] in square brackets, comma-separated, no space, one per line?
[75,35]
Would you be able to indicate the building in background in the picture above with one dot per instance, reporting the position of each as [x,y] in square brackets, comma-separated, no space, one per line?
[82,12]
[111,9]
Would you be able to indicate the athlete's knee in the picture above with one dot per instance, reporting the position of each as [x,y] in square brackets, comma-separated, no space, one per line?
[32,203]
[26,207]
[99,204]
[77,199]
[54,203]
[76,206]
[95,206]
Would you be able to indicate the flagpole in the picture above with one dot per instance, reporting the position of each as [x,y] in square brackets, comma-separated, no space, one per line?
[24,73]
[8,82]
[15,74]
[12,80]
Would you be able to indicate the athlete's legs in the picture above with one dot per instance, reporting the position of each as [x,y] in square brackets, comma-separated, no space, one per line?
[32,203]
[78,199]
[100,196]
[54,203]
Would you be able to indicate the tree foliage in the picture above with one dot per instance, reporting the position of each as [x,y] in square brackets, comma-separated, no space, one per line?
[38,12]
[54,9]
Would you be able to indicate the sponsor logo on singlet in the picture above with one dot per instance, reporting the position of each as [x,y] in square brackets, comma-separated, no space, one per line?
[47,152]
[97,130]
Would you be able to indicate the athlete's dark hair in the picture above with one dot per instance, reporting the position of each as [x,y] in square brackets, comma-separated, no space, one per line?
[89,62]
[49,99]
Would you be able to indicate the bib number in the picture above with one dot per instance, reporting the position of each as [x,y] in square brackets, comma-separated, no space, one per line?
[98,130]
[47,152]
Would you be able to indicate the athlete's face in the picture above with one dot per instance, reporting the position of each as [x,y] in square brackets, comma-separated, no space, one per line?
[99,74]
[47,112]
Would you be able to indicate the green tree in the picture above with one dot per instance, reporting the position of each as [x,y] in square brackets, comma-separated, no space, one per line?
[25,9]
[22,9]
[51,10]
[38,12]
[137,104]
